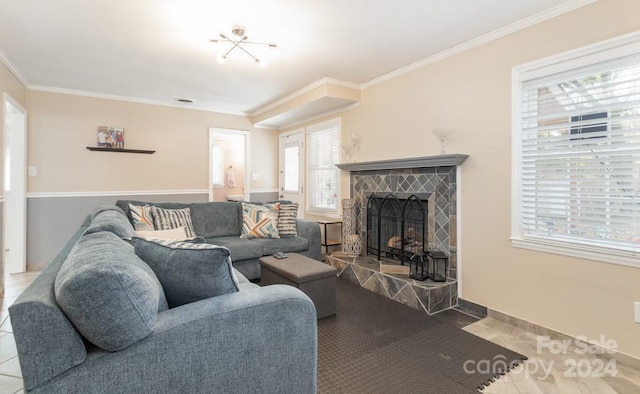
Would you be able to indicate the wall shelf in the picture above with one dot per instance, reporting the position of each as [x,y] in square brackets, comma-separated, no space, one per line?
[96,149]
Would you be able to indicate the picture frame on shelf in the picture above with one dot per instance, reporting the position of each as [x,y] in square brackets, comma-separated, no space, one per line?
[110,137]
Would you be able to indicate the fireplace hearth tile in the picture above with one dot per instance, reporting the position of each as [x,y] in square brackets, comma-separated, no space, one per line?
[439,299]
[363,274]
[374,284]
[428,296]
[408,297]
[350,276]
[454,293]
[393,285]
[338,264]
[423,296]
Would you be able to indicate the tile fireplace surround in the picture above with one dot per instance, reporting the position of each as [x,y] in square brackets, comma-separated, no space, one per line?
[437,176]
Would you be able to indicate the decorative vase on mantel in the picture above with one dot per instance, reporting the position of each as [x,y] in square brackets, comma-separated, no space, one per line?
[351,243]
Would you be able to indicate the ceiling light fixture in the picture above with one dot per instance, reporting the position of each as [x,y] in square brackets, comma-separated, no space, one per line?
[239,39]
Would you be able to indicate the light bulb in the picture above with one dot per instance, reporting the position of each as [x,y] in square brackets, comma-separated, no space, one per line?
[222,59]
[261,63]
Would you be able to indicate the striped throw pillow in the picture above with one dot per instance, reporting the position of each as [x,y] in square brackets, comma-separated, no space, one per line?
[287,220]
[167,219]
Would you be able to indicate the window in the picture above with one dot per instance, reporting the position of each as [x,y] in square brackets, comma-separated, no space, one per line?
[577,153]
[217,164]
[291,167]
[323,149]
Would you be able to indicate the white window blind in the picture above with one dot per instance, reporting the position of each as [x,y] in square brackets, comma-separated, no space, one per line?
[579,169]
[323,152]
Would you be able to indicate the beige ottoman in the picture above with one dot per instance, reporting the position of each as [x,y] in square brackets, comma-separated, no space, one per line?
[316,279]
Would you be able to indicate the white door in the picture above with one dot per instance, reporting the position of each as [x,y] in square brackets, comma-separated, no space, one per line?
[15,217]
[292,168]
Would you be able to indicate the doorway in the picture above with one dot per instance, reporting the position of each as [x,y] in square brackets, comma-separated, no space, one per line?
[291,169]
[15,186]
[229,165]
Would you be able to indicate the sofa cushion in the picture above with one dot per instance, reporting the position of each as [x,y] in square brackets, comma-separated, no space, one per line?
[287,220]
[260,221]
[111,220]
[271,246]
[105,207]
[188,272]
[216,219]
[109,294]
[241,249]
[141,217]
[167,219]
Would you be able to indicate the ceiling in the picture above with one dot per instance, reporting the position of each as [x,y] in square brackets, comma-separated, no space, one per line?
[159,50]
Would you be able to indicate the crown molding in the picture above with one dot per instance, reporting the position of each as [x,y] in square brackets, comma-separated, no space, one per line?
[13,69]
[114,193]
[320,116]
[73,92]
[303,91]
[484,39]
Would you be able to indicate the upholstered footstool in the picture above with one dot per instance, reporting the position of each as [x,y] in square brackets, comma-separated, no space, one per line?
[314,278]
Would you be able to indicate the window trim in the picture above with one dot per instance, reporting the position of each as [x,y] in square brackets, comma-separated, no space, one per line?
[328,213]
[602,51]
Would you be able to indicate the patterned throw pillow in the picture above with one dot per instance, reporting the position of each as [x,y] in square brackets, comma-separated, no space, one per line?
[287,220]
[167,219]
[142,218]
[260,221]
[188,272]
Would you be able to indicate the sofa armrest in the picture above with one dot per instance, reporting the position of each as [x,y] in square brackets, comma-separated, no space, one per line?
[310,229]
[262,340]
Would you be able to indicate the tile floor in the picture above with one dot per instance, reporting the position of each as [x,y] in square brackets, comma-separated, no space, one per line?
[10,375]
[557,371]
[530,377]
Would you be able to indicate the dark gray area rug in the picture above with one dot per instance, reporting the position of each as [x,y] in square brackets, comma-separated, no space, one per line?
[376,345]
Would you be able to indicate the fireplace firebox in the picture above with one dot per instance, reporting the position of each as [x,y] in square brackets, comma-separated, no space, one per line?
[397,226]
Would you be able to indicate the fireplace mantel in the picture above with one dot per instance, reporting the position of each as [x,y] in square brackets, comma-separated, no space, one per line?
[413,162]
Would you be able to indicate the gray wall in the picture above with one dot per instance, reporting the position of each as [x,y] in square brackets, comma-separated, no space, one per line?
[263,197]
[51,221]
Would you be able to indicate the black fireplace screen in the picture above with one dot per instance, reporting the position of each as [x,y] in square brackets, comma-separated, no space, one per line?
[396,228]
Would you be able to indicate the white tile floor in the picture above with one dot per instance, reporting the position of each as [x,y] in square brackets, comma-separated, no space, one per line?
[10,375]
[547,372]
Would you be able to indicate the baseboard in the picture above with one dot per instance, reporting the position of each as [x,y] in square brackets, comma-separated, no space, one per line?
[621,358]
[33,267]
[471,308]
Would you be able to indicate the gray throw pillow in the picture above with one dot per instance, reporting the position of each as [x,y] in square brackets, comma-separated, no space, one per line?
[188,272]
[109,294]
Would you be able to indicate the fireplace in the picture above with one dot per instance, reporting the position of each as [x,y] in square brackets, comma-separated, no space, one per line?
[426,188]
[397,226]
[434,179]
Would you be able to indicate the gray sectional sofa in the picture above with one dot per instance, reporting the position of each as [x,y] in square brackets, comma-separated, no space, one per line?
[98,320]
[220,223]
